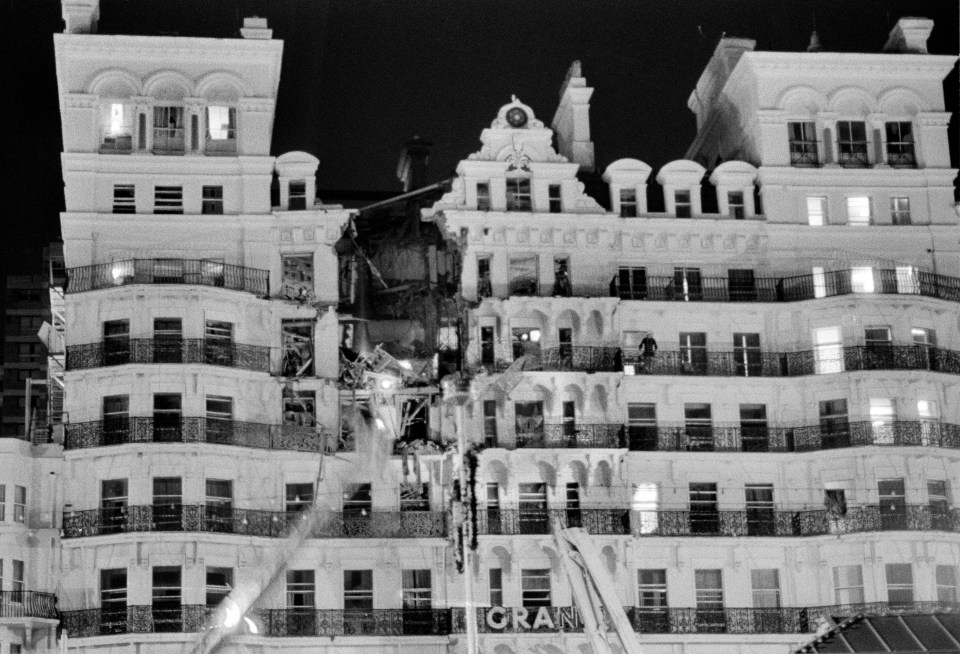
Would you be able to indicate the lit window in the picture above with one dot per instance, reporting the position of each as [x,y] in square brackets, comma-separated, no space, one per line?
[116,119]
[907,282]
[900,211]
[900,152]
[736,205]
[859,211]
[628,203]
[221,123]
[682,204]
[819,282]
[828,350]
[646,504]
[861,279]
[882,417]
[817,211]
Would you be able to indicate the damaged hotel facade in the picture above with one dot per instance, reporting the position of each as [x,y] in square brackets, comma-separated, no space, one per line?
[293,426]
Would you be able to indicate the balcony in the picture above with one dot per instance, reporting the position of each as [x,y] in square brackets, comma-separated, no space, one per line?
[748,362]
[571,435]
[168,271]
[27,604]
[762,521]
[118,352]
[568,358]
[680,437]
[119,144]
[251,522]
[168,140]
[193,618]
[122,431]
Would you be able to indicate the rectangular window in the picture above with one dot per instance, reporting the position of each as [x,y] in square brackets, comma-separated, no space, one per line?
[939,502]
[299,412]
[168,199]
[704,514]
[766,588]
[929,414]
[113,505]
[357,500]
[167,503]
[642,426]
[693,353]
[414,497]
[848,584]
[490,423]
[18,584]
[899,584]
[828,350]
[212,201]
[3,503]
[484,280]
[493,508]
[116,342]
[535,588]
[124,198]
[562,286]
[803,143]
[20,504]
[817,211]
[761,519]
[893,504]
[862,279]
[852,144]
[748,360]
[218,426]
[900,211]
[167,599]
[652,612]
[834,423]
[358,590]
[687,284]
[297,277]
[298,195]
[754,432]
[532,509]
[524,275]
[167,340]
[737,209]
[819,280]
[221,124]
[900,153]
[946,584]
[483,196]
[698,424]
[301,589]
[859,211]
[556,204]
[682,204]
[631,283]
[167,418]
[907,281]
[487,348]
[518,194]
[296,335]
[709,596]
[219,584]
[299,497]
[646,506]
[528,420]
[882,419]
[628,203]
[116,419]
[417,590]
[113,601]
[573,515]
[496,586]
[168,130]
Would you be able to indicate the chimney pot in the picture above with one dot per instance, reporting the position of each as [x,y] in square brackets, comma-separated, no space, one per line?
[255,27]
[909,35]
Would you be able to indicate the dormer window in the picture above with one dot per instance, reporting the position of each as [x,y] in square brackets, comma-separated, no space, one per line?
[736,205]
[483,196]
[221,129]
[298,194]
[168,130]
[556,204]
[518,194]
[852,144]
[628,203]
[117,129]
[900,145]
[684,207]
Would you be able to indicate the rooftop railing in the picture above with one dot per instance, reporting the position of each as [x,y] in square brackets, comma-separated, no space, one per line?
[250,522]
[125,430]
[168,271]
[214,352]
[762,521]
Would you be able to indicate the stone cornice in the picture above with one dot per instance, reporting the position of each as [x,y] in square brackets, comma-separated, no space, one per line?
[164,48]
[887,65]
[843,178]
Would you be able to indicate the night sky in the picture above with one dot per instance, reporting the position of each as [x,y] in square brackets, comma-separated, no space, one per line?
[362,76]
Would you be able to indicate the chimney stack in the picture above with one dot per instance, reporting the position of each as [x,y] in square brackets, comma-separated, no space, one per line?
[80,16]
[255,27]
[571,123]
[909,36]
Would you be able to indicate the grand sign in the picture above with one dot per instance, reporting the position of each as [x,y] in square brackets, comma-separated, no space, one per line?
[520,619]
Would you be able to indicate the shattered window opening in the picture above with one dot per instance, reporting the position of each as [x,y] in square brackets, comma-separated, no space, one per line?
[414,496]
[297,278]
[524,275]
[298,352]
[415,419]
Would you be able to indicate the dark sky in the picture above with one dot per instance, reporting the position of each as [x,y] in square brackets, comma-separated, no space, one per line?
[361,76]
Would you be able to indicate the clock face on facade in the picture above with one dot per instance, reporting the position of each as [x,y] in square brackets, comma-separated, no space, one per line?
[517,117]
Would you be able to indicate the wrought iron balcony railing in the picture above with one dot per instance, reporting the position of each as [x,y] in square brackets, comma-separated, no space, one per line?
[784,289]
[250,522]
[168,271]
[683,437]
[28,604]
[121,431]
[192,618]
[762,521]
[747,362]
[117,352]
